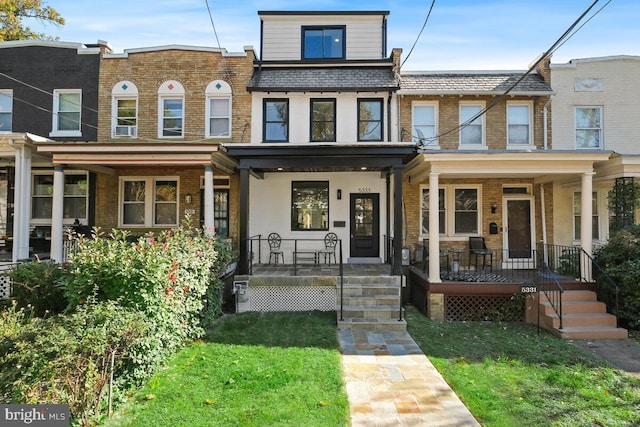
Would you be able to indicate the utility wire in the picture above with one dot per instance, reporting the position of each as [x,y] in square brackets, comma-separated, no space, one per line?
[420,33]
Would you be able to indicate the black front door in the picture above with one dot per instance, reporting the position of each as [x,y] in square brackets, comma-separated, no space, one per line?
[365,225]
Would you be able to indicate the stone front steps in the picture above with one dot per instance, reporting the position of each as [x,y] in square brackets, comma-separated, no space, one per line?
[372,303]
[583,317]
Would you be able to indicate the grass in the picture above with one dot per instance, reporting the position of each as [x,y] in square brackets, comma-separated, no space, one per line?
[508,376]
[277,369]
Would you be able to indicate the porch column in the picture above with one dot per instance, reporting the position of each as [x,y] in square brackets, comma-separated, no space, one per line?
[22,203]
[243,257]
[209,227]
[57,214]
[434,227]
[397,220]
[586,223]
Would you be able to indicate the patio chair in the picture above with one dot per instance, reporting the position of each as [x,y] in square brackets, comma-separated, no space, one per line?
[425,256]
[478,249]
[330,243]
[274,248]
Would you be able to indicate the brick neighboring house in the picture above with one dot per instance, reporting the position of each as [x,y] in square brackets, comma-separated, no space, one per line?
[163,114]
[48,92]
[324,154]
[596,108]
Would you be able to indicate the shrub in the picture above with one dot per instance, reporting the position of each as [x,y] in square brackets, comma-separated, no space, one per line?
[620,258]
[37,284]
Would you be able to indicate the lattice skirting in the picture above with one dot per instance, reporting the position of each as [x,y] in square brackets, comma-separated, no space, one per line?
[274,298]
[5,285]
[482,307]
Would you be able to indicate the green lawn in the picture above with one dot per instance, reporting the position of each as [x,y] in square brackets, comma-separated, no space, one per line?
[509,376]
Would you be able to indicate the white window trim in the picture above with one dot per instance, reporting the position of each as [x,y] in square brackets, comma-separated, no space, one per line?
[433,144]
[450,214]
[575,130]
[66,221]
[8,93]
[603,219]
[483,144]
[213,92]
[54,123]
[124,90]
[149,201]
[531,144]
[170,89]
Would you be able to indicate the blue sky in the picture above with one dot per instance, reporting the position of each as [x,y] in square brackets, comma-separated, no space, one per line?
[460,34]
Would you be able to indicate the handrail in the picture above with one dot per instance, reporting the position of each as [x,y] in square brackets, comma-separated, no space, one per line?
[251,239]
[341,273]
[552,290]
[603,275]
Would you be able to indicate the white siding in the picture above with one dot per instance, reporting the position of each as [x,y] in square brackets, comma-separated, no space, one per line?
[282,35]
[620,101]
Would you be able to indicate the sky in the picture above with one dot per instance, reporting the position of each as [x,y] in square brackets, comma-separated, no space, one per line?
[459,34]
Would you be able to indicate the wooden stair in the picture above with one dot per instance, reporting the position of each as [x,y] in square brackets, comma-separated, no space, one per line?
[371,303]
[583,317]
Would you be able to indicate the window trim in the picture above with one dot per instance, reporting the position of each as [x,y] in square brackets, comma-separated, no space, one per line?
[529,105]
[123,90]
[8,93]
[328,201]
[595,216]
[306,28]
[55,115]
[218,89]
[170,90]
[600,129]
[265,101]
[381,121]
[449,214]
[69,221]
[149,201]
[435,143]
[312,121]
[482,118]
[442,189]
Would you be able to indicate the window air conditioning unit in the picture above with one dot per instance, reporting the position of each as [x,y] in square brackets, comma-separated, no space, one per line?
[129,131]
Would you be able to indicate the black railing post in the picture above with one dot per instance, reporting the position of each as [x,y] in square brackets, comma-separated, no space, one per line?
[341,271]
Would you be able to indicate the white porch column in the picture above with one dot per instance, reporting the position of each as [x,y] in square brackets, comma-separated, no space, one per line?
[22,203]
[434,228]
[57,213]
[586,222]
[208,201]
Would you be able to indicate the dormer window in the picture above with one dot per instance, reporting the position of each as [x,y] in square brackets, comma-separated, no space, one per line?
[323,42]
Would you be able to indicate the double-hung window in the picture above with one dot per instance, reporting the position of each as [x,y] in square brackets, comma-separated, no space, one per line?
[75,197]
[124,110]
[519,124]
[370,119]
[218,110]
[149,202]
[309,205]
[171,110]
[577,216]
[276,120]
[441,211]
[471,125]
[323,42]
[458,210]
[67,107]
[424,119]
[588,127]
[6,110]
[323,120]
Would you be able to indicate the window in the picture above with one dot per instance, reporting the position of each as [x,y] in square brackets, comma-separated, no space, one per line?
[75,197]
[369,120]
[441,211]
[518,124]
[577,217]
[149,202]
[276,120]
[309,205]
[466,211]
[323,42]
[423,122]
[218,110]
[171,110]
[124,110]
[472,132]
[6,110]
[588,127]
[221,212]
[67,105]
[323,120]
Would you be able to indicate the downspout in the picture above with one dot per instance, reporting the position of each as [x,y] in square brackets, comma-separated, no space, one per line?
[543,217]
[544,124]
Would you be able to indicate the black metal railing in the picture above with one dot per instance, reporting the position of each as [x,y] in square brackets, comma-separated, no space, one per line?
[548,285]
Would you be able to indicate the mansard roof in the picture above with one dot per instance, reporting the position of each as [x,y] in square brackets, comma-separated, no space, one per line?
[325,79]
[473,83]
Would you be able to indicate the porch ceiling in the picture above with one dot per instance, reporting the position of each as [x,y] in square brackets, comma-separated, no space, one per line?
[620,165]
[543,166]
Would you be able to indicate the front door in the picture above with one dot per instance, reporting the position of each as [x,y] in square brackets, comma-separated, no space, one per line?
[519,233]
[365,225]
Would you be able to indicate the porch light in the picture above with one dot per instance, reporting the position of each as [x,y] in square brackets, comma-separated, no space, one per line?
[188,199]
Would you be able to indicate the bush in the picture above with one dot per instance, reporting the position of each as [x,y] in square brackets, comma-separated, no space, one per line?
[67,359]
[37,284]
[620,258]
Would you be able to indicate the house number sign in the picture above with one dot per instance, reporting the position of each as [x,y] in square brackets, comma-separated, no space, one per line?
[364,190]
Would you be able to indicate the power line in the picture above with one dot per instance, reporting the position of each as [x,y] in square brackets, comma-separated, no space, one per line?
[420,33]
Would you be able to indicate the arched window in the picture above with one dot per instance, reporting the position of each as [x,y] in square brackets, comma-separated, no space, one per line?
[124,110]
[218,110]
[170,110]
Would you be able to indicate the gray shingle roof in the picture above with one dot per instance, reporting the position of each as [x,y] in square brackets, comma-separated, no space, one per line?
[323,79]
[472,83]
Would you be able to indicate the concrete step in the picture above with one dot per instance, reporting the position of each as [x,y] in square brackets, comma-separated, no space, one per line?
[372,324]
[371,311]
[369,290]
[583,319]
[371,300]
[591,333]
[573,307]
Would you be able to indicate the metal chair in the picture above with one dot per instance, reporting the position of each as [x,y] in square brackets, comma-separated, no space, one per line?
[330,243]
[425,256]
[478,248]
[274,248]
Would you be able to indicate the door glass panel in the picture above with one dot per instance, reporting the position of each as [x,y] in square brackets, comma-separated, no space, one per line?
[363,217]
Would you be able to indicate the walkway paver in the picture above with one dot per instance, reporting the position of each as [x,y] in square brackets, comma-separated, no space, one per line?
[390,382]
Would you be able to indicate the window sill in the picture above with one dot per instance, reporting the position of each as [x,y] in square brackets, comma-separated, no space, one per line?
[65,133]
[521,147]
[472,147]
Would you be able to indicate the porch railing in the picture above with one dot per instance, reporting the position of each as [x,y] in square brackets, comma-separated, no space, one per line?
[549,286]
